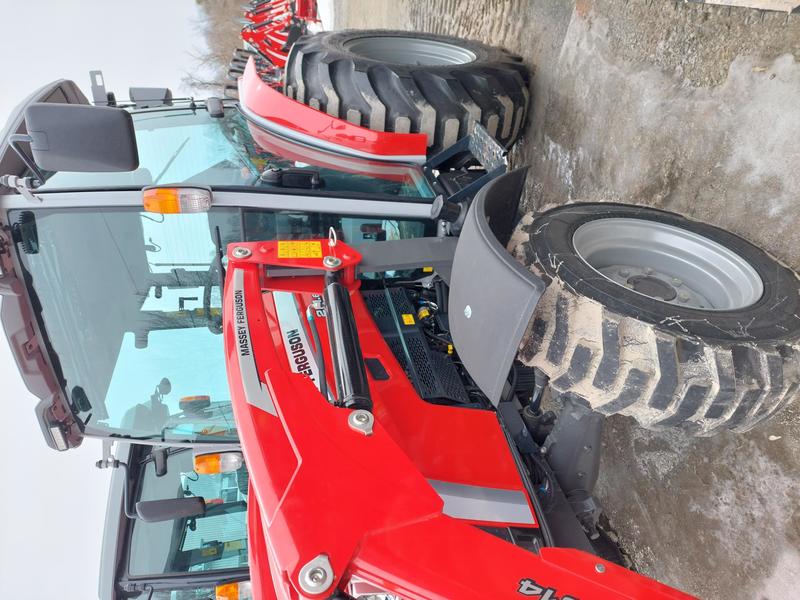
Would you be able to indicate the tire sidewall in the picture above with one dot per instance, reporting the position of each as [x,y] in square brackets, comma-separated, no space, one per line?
[483,54]
[772,318]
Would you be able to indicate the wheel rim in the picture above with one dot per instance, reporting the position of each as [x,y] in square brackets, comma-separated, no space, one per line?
[407,50]
[668,264]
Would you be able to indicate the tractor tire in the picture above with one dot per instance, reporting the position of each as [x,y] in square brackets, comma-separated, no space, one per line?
[673,322]
[411,83]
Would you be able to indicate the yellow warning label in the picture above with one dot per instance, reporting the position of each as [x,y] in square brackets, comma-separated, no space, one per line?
[427,269]
[312,249]
[408,319]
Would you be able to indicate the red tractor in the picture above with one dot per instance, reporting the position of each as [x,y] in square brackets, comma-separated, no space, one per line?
[322,274]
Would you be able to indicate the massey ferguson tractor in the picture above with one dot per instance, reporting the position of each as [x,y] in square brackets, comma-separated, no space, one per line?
[330,279]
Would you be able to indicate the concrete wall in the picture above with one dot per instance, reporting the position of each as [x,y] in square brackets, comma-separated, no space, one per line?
[696,109]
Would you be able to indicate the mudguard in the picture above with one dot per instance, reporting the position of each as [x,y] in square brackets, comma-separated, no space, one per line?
[492,296]
[291,119]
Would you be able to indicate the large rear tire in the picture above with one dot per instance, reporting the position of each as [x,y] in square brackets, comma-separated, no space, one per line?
[671,321]
[411,82]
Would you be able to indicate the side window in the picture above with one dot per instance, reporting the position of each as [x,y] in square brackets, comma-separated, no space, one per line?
[215,541]
[355,230]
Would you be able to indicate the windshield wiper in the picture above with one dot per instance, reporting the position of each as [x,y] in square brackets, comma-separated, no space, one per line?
[170,161]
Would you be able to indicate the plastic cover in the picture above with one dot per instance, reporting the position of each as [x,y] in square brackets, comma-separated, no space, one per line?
[492,296]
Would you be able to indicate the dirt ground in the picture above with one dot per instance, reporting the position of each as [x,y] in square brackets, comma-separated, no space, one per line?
[694,109]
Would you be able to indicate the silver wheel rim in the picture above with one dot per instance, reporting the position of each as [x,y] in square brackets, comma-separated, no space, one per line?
[407,50]
[668,264]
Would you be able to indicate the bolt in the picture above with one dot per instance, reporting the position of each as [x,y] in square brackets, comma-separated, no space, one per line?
[332,262]
[600,568]
[361,421]
[241,252]
[468,311]
[316,576]
[587,448]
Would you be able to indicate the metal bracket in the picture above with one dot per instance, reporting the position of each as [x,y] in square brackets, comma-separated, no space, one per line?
[23,185]
[487,151]
[316,576]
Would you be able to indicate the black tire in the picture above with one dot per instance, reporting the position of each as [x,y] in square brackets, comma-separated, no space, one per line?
[327,72]
[664,364]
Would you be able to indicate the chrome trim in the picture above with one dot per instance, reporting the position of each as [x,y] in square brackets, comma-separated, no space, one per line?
[477,503]
[255,392]
[292,327]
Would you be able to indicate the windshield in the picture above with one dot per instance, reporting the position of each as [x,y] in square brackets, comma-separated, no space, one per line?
[188,146]
[213,542]
[130,307]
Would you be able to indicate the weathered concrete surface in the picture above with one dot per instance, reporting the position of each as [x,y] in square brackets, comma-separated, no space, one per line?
[695,109]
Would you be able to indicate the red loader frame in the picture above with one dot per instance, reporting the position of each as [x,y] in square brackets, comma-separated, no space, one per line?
[343,498]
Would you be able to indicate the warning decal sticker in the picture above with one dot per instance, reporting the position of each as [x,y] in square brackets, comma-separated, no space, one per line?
[300,249]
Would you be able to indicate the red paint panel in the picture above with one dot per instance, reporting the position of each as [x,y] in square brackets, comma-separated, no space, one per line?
[442,558]
[364,501]
[272,105]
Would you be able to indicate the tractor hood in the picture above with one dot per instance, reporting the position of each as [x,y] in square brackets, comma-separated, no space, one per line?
[356,483]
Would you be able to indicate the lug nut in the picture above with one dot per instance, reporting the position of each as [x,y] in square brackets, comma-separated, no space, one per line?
[683,297]
[676,281]
[648,271]
[624,273]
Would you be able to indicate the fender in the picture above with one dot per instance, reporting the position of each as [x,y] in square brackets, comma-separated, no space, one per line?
[294,120]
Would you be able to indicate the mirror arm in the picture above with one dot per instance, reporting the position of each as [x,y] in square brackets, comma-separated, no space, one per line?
[14,141]
[108,461]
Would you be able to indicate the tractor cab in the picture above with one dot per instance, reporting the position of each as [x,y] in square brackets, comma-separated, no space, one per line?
[176,526]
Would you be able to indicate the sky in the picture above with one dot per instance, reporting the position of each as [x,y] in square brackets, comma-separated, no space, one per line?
[52,504]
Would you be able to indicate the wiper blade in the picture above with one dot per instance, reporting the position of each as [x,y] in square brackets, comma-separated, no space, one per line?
[170,161]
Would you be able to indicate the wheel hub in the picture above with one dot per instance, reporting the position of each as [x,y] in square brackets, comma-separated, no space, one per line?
[668,263]
[408,50]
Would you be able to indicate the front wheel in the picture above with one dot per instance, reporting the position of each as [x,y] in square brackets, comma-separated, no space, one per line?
[671,321]
[411,82]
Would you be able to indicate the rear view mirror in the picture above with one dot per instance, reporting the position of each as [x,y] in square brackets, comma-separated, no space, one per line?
[77,137]
[153,511]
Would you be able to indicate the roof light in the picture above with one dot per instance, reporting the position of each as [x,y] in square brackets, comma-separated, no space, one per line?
[220,462]
[172,200]
[241,590]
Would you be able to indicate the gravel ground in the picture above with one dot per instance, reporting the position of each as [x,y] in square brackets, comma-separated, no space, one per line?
[694,109]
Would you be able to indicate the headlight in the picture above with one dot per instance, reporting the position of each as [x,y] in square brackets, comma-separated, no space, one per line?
[361,589]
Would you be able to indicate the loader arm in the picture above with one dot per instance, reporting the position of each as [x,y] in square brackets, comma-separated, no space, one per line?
[355,509]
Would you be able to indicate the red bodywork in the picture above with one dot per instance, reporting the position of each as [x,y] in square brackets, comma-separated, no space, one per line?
[269,24]
[337,134]
[319,487]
